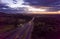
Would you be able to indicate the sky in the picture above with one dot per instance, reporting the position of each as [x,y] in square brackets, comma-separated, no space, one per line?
[32,2]
[16,3]
[13,3]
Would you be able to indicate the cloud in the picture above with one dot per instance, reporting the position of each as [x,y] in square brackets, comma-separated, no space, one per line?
[41,2]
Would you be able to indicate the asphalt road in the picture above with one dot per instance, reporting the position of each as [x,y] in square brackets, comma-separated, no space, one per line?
[18,33]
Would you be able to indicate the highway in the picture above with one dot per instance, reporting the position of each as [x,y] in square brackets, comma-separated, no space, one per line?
[23,32]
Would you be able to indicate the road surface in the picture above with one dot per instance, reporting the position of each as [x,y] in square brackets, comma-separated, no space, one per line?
[18,33]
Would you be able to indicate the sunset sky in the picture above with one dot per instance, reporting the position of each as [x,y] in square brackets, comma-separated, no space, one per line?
[54,4]
[34,2]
